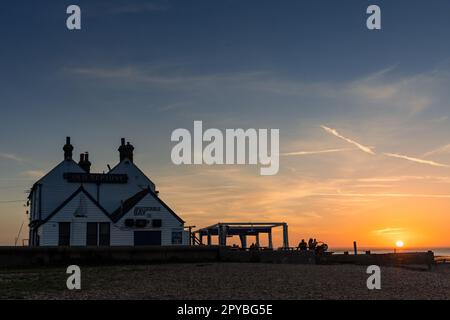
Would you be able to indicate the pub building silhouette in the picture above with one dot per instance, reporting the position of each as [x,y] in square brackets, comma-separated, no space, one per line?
[71,206]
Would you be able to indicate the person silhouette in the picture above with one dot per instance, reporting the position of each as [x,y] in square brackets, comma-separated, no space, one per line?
[302,246]
[314,244]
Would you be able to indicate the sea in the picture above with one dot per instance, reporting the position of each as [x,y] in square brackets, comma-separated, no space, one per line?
[439,253]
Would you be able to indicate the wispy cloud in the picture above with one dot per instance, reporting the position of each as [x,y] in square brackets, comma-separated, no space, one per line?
[305,153]
[409,94]
[404,96]
[11,156]
[437,179]
[383,195]
[389,231]
[417,160]
[358,145]
[165,76]
[33,174]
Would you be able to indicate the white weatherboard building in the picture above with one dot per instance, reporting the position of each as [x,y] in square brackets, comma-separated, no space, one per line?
[70,206]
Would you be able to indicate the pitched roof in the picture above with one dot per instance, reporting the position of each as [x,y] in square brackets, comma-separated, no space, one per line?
[72,196]
[128,204]
[63,162]
[126,160]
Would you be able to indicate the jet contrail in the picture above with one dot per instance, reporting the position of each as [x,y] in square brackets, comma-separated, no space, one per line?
[417,160]
[305,153]
[358,145]
[442,149]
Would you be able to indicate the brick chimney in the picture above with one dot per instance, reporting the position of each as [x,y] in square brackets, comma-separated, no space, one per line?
[122,149]
[125,150]
[84,163]
[68,148]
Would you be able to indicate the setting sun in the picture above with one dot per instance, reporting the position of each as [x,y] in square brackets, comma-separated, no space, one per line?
[399,244]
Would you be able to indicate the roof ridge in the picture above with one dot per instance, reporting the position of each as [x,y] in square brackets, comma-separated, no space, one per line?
[70,198]
[129,203]
[132,201]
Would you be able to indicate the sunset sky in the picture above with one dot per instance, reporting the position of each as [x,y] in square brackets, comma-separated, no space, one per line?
[364,116]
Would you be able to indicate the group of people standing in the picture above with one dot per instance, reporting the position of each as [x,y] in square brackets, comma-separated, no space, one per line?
[311,245]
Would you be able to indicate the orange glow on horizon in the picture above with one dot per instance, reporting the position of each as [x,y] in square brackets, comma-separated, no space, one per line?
[336,211]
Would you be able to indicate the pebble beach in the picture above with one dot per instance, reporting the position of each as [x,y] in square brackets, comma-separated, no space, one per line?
[228,281]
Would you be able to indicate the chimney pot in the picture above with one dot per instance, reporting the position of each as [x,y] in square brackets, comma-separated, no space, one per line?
[126,150]
[68,148]
[84,163]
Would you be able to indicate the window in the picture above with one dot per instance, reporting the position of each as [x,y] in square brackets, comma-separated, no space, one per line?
[64,234]
[177,237]
[156,223]
[141,223]
[129,223]
[105,234]
[91,234]
[98,234]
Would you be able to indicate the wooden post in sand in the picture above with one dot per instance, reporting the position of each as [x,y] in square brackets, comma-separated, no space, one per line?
[355,248]
[285,236]
[270,238]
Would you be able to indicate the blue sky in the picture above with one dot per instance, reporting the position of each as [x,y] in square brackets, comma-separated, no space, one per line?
[48,73]
[140,69]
